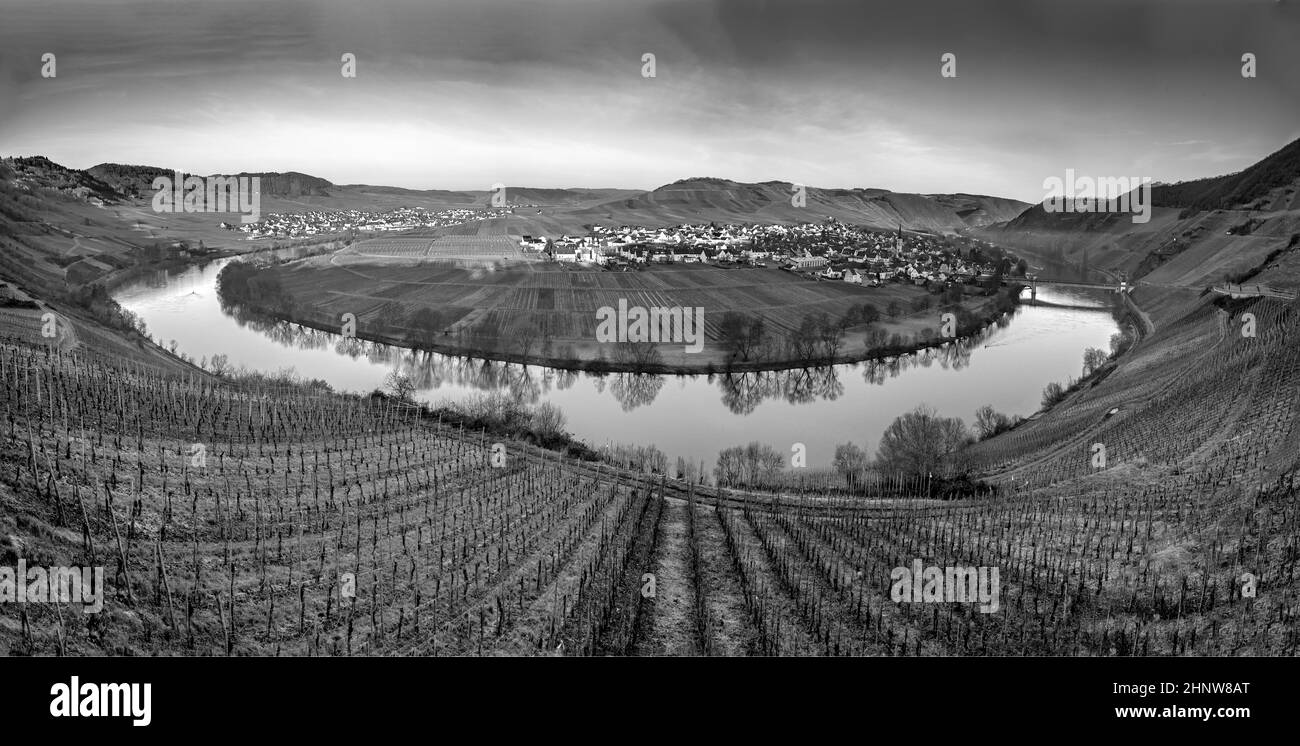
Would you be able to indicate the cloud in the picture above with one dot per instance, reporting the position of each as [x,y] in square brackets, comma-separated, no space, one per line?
[459,93]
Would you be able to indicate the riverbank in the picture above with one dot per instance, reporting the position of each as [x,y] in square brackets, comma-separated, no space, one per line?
[547,314]
[117,278]
[991,313]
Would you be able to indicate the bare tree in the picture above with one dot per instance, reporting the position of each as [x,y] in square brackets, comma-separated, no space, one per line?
[547,420]
[220,364]
[1093,358]
[755,465]
[990,422]
[399,385]
[639,354]
[803,342]
[527,337]
[830,335]
[921,444]
[743,336]
[850,462]
[1052,393]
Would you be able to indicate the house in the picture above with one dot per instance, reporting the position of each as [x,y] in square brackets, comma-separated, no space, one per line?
[808,261]
[853,276]
[831,273]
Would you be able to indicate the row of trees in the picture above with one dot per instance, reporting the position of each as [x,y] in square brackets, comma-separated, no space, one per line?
[753,465]
[919,446]
[1094,359]
[819,337]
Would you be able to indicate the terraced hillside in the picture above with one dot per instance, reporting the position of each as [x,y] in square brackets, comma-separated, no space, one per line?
[1237,226]
[1198,396]
[234,520]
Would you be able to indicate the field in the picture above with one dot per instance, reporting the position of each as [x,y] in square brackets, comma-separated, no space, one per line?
[274,521]
[481,309]
[408,251]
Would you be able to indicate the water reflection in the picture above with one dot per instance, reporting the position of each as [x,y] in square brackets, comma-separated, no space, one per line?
[693,416]
[741,392]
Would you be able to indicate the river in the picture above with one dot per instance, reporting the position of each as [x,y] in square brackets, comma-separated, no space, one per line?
[689,416]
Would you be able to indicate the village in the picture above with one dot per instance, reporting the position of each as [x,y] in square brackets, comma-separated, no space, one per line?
[318,222]
[830,250]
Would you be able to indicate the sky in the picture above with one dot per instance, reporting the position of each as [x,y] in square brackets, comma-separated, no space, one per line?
[464,94]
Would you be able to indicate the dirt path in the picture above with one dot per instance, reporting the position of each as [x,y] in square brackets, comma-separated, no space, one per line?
[670,625]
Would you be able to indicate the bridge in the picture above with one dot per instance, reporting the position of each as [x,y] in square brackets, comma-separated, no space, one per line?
[1120,286]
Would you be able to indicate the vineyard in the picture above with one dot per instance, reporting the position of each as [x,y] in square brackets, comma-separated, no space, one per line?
[408,251]
[240,520]
[1198,397]
[487,312]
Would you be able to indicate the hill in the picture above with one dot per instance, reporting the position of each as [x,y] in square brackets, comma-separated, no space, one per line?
[1272,184]
[710,199]
[137,181]
[1239,227]
[39,172]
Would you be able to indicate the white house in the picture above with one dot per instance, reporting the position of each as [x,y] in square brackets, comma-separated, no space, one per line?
[808,261]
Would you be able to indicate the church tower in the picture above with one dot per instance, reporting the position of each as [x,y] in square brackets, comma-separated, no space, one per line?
[898,242]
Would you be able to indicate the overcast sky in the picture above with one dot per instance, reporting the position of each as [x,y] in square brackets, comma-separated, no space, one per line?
[462,94]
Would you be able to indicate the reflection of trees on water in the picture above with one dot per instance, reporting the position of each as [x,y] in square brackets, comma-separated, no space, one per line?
[431,370]
[954,355]
[811,384]
[564,379]
[427,370]
[523,384]
[743,392]
[633,390]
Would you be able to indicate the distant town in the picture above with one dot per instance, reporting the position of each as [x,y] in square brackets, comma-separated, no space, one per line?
[320,222]
[829,250]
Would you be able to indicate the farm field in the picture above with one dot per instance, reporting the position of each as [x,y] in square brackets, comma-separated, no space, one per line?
[407,251]
[490,310]
[234,520]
